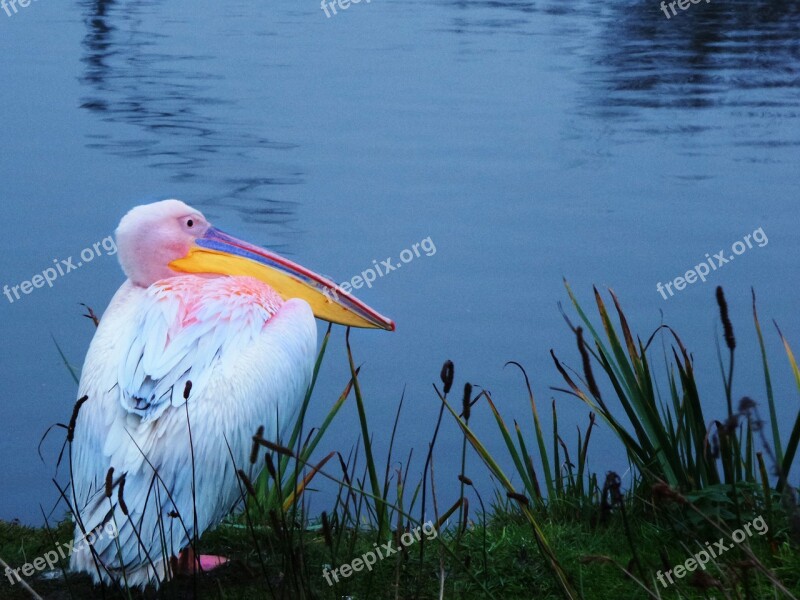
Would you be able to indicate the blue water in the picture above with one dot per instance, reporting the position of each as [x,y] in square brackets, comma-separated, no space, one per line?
[530,141]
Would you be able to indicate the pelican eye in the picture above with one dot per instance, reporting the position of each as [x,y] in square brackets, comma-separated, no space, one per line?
[190,223]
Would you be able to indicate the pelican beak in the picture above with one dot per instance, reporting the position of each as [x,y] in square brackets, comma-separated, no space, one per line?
[218,252]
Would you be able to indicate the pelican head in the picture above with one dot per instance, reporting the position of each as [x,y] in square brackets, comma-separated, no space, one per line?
[169,238]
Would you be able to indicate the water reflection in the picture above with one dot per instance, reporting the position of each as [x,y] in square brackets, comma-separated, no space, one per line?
[739,55]
[179,119]
[698,57]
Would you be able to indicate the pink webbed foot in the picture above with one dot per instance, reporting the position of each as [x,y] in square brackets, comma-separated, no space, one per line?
[188,561]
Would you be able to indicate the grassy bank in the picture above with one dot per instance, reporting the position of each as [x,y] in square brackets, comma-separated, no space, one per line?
[596,557]
[710,489]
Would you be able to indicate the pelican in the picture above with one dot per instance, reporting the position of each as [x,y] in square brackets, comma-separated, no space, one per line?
[199,306]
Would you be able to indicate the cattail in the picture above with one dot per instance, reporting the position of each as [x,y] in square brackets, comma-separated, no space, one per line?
[254,450]
[587,365]
[271,468]
[518,497]
[121,496]
[326,530]
[465,504]
[466,403]
[109,482]
[447,375]
[187,390]
[730,340]
[247,483]
[273,446]
[74,418]
[746,404]
[465,480]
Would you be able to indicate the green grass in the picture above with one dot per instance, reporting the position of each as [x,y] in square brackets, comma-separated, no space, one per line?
[514,568]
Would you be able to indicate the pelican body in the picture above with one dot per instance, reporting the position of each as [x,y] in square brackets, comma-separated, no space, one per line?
[199,306]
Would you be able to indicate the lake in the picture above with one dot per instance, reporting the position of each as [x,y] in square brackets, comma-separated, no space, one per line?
[520,142]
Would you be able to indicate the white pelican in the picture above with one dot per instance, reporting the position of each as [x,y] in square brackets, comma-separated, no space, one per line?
[201,306]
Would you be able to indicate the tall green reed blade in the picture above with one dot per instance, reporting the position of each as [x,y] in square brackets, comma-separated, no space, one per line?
[548,475]
[380,502]
[556,459]
[794,437]
[749,456]
[512,450]
[583,452]
[766,489]
[773,414]
[386,477]
[532,482]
